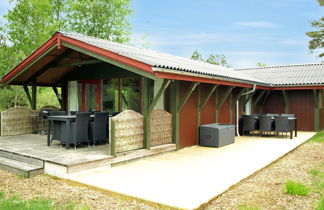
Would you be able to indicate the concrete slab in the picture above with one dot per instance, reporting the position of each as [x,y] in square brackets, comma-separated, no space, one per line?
[192,176]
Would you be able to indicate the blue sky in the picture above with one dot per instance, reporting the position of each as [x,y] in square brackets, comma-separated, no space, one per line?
[245,31]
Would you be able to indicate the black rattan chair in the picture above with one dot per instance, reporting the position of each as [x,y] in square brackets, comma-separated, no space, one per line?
[73,112]
[283,124]
[98,129]
[79,131]
[265,124]
[58,127]
[249,123]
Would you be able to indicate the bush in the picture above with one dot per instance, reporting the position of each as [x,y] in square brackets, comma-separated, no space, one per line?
[296,188]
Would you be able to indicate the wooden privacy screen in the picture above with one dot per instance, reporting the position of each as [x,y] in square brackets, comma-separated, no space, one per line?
[161,127]
[17,121]
[128,131]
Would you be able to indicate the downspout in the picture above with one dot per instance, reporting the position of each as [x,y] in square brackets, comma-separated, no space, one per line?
[237,108]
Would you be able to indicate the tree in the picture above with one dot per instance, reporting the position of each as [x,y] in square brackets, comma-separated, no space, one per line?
[105,19]
[31,22]
[217,59]
[317,37]
[259,64]
[196,56]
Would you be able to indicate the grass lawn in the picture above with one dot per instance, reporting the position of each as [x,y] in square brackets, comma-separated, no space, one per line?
[295,181]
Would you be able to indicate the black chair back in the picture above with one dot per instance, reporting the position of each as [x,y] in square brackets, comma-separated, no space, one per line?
[82,126]
[282,124]
[101,125]
[265,123]
[249,123]
[73,112]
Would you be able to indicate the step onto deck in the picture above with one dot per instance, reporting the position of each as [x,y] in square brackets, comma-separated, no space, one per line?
[20,164]
[20,168]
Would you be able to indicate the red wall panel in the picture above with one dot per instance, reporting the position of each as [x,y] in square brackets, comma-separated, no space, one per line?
[188,117]
[274,103]
[223,113]
[207,114]
[301,103]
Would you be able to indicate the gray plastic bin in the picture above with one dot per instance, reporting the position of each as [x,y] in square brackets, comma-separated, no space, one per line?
[216,135]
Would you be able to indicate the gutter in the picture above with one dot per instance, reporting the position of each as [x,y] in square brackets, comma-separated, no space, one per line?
[237,108]
[179,72]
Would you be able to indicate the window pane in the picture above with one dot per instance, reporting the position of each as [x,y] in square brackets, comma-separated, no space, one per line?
[110,95]
[130,95]
[91,97]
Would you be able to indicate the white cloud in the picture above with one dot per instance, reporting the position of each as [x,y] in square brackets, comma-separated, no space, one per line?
[294,42]
[257,24]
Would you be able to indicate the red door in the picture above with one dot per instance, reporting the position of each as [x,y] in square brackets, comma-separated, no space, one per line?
[91,95]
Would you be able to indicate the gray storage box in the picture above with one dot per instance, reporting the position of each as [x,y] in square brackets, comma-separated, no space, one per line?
[216,135]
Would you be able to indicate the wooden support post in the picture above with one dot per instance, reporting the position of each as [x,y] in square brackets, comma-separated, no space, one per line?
[198,108]
[202,103]
[256,101]
[164,86]
[145,110]
[246,100]
[216,105]
[231,107]
[34,95]
[175,86]
[147,115]
[263,101]
[59,97]
[316,94]
[220,103]
[286,101]
[112,138]
[28,95]
[187,95]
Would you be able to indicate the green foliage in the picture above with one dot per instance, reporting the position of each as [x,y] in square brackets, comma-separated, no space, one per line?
[196,56]
[259,64]
[318,137]
[248,207]
[296,188]
[31,22]
[100,18]
[317,36]
[217,59]
[320,205]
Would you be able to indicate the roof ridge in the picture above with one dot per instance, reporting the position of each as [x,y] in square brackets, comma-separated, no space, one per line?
[278,66]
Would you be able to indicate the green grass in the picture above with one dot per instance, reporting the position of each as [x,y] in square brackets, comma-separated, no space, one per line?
[248,207]
[320,204]
[319,137]
[296,188]
[16,203]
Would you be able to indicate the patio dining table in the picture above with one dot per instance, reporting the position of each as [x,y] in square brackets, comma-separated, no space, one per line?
[67,119]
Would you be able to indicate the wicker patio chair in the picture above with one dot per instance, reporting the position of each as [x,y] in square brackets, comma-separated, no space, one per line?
[249,123]
[79,131]
[98,129]
[265,124]
[283,124]
[57,127]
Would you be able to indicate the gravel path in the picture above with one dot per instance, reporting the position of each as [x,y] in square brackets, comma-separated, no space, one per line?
[264,189]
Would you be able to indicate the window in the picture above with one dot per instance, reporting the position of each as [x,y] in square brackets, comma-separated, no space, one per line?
[110,95]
